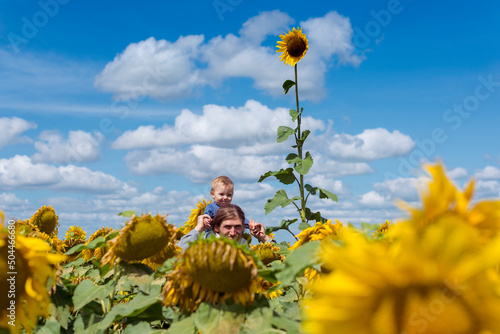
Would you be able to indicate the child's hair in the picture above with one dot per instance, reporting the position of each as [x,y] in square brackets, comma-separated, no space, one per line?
[221,180]
[226,212]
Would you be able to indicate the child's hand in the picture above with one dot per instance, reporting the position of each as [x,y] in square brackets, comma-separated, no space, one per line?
[257,230]
[203,222]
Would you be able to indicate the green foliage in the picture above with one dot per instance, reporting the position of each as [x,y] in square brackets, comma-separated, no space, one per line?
[302,163]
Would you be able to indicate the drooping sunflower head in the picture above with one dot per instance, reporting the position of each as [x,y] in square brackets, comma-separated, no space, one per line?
[211,270]
[75,232]
[33,266]
[318,232]
[141,238]
[192,220]
[435,280]
[267,252]
[46,220]
[293,46]
[263,286]
[99,251]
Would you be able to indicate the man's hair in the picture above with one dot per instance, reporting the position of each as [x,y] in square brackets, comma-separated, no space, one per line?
[221,180]
[226,212]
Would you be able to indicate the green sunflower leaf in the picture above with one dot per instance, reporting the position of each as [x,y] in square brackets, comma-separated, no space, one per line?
[287,85]
[294,114]
[128,213]
[284,132]
[326,194]
[279,199]
[285,176]
[302,167]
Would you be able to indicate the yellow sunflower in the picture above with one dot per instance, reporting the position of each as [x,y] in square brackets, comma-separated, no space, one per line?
[263,286]
[444,199]
[293,46]
[211,270]
[46,220]
[75,232]
[318,232]
[192,220]
[382,229]
[99,251]
[267,252]
[25,227]
[141,238]
[24,280]
[435,280]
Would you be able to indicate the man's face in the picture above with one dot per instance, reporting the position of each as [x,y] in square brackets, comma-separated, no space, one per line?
[222,194]
[231,229]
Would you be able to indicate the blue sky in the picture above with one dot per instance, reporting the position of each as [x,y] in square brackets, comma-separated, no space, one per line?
[112,106]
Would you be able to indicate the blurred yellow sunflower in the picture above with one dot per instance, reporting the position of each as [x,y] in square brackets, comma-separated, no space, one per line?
[192,220]
[99,251]
[46,220]
[444,199]
[267,252]
[25,228]
[24,280]
[318,232]
[293,46]
[211,270]
[435,280]
[141,238]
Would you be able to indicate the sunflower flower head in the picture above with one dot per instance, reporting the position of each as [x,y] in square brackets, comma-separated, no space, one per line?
[382,229]
[318,232]
[435,280]
[192,220]
[46,220]
[75,232]
[25,227]
[293,46]
[263,286]
[141,238]
[267,252]
[211,270]
[34,265]
[99,251]
[443,199]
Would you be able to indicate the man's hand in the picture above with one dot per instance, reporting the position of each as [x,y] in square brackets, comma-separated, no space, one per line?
[258,231]
[203,223]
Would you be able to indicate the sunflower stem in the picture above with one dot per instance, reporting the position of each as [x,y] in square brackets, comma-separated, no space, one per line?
[298,141]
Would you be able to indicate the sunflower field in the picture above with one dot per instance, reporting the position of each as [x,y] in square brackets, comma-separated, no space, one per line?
[437,270]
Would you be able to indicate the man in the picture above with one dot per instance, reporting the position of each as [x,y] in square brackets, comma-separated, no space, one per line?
[229,222]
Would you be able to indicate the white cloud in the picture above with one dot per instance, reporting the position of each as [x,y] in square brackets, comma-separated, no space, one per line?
[487,189]
[252,125]
[371,144]
[406,189]
[11,128]
[457,173]
[199,163]
[11,201]
[374,199]
[20,172]
[168,70]
[79,147]
[488,173]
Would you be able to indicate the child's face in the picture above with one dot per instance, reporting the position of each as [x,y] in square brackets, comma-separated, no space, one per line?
[222,194]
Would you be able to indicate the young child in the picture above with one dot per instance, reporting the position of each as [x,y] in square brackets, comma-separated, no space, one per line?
[222,193]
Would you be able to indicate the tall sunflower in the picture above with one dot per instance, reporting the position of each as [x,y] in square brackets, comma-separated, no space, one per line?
[267,252]
[34,265]
[75,232]
[211,270]
[436,280]
[192,220]
[46,220]
[141,238]
[293,46]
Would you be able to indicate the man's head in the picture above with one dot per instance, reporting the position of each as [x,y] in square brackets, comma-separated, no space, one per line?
[222,190]
[229,222]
